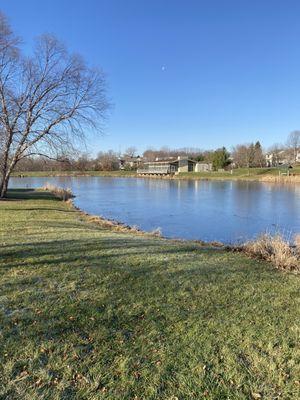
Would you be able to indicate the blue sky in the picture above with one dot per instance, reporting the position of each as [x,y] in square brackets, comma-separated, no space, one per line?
[182,73]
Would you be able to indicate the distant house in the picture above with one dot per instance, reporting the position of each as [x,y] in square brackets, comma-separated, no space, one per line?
[276,159]
[167,166]
[129,162]
[282,157]
[203,167]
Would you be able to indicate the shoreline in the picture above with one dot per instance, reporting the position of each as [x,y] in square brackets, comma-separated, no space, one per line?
[263,177]
[275,249]
[260,248]
[119,226]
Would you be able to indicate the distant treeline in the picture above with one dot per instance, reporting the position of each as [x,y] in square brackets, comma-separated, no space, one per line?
[243,155]
[112,161]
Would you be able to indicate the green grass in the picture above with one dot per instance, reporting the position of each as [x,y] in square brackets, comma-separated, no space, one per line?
[120,173]
[88,313]
[239,173]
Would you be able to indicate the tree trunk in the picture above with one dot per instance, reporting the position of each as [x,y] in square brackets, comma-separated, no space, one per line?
[5,179]
[4,185]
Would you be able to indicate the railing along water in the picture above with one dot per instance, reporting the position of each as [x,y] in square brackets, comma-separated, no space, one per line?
[158,170]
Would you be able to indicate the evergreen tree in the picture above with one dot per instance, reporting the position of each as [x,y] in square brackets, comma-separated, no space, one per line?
[259,159]
[220,159]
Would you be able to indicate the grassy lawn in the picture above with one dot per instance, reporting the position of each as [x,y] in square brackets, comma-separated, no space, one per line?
[239,173]
[88,313]
[119,173]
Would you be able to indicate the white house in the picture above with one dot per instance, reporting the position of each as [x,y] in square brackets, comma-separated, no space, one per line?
[275,159]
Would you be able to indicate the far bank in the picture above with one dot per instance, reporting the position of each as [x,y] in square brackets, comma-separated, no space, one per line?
[276,175]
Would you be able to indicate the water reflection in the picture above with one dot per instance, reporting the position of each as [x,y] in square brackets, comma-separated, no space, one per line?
[209,210]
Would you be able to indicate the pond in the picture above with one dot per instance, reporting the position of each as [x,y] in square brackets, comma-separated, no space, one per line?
[226,211]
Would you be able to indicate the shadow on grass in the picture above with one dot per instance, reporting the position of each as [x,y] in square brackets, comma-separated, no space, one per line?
[29,194]
[128,256]
[89,251]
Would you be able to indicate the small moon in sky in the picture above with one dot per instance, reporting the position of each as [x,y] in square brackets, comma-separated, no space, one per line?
[163,68]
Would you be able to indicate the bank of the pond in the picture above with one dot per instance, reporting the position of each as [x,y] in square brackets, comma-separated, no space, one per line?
[253,174]
[117,174]
[91,313]
[119,226]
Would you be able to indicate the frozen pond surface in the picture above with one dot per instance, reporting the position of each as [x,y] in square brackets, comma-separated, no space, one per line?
[190,209]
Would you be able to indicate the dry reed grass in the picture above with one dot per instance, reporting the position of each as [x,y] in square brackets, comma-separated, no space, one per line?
[281,178]
[277,250]
[60,193]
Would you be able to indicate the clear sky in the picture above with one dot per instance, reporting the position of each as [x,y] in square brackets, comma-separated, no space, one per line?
[181,73]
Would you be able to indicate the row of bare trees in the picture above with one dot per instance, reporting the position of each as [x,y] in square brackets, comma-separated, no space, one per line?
[152,154]
[248,155]
[104,161]
[242,155]
[47,101]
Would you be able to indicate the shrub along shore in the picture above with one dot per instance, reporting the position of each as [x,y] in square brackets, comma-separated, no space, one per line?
[90,312]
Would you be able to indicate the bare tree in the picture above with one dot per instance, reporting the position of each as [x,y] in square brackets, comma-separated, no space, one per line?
[149,154]
[249,155]
[243,155]
[130,151]
[293,143]
[107,161]
[47,101]
[83,162]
